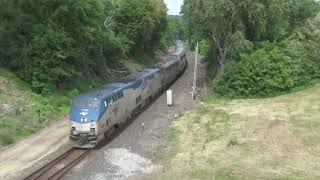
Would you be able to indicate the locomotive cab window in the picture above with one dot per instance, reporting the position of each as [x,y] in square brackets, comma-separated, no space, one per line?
[117,96]
[144,83]
[107,102]
[121,94]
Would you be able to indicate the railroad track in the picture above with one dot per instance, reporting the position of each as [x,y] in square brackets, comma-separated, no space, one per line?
[59,166]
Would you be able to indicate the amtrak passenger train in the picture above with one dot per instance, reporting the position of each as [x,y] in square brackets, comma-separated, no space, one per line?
[94,114]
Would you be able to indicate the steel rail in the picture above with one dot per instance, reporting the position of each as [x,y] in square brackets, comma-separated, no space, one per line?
[56,168]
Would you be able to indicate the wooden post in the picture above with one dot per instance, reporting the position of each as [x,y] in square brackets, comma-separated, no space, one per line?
[205,89]
[194,88]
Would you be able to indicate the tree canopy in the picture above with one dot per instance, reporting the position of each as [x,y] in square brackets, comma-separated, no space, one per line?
[140,22]
[224,21]
[256,36]
[48,42]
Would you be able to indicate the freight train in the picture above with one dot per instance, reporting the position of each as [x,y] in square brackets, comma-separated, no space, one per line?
[95,114]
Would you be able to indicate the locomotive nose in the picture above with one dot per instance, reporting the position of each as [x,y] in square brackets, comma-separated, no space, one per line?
[88,128]
[83,135]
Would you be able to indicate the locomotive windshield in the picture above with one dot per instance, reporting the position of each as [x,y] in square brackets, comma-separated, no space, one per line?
[86,103]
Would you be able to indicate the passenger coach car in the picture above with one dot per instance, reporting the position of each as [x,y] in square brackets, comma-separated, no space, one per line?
[94,114]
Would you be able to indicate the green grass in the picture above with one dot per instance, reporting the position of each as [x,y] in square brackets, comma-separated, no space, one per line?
[224,174]
[272,138]
[5,138]
[172,135]
[32,111]
[233,141]
[200,174]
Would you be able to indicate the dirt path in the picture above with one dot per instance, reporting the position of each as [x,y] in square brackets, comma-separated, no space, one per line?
[134,153]
[23,157]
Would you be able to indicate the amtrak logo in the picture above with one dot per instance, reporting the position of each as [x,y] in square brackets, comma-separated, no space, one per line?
[84,113]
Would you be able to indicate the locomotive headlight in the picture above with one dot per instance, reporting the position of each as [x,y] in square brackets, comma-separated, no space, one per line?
[93,127]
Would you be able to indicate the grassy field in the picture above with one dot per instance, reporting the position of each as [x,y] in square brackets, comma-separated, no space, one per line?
[275,138]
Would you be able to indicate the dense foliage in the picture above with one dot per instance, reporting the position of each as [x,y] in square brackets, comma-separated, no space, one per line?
[303,48]
[257,47]
[176,29]
[263,72]
[140,23]
[275,67]
[49,42]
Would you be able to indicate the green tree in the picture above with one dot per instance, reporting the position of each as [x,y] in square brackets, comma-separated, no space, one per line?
[176,29]
[262,73]
[230,24]
[49,42]
[140,23]
[216,20]
[303,49]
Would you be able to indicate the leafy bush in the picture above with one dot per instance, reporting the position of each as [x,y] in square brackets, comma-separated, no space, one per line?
[204,46]
[302,66]
[5,139]
[239,46]
[272,69]
[262,73]
[303,49]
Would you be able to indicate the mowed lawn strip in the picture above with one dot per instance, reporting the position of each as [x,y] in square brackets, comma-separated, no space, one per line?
[274,138]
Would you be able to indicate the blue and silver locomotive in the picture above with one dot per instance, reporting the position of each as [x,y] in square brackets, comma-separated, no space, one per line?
[95,114]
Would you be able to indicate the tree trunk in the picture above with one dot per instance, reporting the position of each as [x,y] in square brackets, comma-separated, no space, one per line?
[222,51]
[221,68]
[222,63]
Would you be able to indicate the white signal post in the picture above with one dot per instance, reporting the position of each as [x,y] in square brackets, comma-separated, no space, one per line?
[169,98]
[194,87]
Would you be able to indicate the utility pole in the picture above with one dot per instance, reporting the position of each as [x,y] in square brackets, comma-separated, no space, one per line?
[194,87]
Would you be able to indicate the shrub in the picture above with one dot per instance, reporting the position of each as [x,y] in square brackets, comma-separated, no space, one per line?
[204,46]
[262,73]
[302,65]
[5,139]
[233,141]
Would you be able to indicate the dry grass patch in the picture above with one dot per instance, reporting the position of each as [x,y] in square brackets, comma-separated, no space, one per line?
[275,138]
